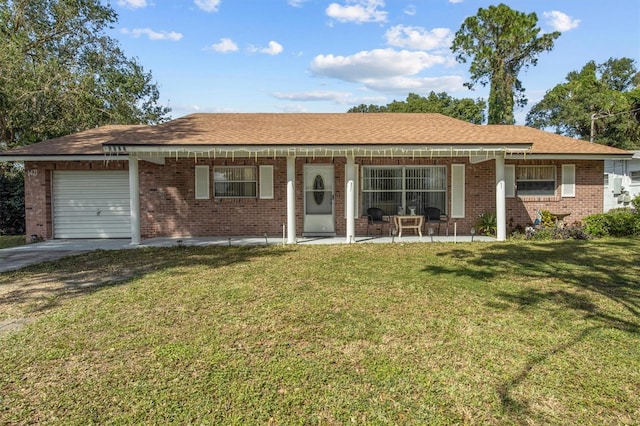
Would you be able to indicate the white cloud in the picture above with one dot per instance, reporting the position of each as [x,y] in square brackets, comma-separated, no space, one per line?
[455,1]
[153,35]
[387,70]
[357,11]
[403,85]
[208,5]
[337,97]
[560,21]
[133,4]
[314,95]
[410,10]
[296,3]
[419,38]
[274,48]
[378,63]
[226,45]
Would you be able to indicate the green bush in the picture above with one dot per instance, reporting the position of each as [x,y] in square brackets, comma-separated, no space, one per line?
[561,233]
[487,223]
[615,223]
[547,218]
[11,199]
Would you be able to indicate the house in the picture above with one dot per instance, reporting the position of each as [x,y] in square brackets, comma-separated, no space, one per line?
[301,174]
[621,181]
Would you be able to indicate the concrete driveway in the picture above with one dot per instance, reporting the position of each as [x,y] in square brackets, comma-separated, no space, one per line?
[15,258]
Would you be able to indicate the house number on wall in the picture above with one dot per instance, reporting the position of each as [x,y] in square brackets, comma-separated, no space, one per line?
[32,172]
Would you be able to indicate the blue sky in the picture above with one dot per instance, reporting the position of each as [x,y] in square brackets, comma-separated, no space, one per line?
[327,56]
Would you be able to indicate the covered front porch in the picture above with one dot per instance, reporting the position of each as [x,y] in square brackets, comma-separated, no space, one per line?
[345,195]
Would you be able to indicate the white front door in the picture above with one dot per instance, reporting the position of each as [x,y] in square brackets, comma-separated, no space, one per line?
[319,214]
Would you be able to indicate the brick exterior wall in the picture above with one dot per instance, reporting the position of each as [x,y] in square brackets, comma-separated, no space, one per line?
[169,207]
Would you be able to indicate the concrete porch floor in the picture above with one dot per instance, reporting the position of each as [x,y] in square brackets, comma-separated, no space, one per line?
[270,240]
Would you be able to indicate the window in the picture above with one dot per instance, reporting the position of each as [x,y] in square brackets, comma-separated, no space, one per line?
[235,182]
[536,180]
[392,188]
[635,176]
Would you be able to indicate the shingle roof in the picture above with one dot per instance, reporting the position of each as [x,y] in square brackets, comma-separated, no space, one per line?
[312,129]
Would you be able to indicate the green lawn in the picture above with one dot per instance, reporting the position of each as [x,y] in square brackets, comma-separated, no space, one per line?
[500,333]
[7,241]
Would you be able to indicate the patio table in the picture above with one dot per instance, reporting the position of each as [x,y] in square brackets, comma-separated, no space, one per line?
[414,222]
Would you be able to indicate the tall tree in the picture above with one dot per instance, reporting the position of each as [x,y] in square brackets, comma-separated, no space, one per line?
[60,73]
[600,101]
[463,109]
[501,42]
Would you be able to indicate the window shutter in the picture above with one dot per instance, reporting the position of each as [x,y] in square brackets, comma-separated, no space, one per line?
[457,190]
[266,182]
[568,180]
[510,180]
[202,182]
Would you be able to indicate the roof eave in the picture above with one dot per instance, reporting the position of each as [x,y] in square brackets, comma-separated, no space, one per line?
[60,157]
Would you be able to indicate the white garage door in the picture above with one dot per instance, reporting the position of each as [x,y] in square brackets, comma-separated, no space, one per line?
[91,204]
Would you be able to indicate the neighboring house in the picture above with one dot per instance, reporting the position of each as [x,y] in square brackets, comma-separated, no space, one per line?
[621,181]
[301,174]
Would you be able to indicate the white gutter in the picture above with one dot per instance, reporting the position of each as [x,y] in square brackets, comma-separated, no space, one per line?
[99,157]
[387,151]
[571,156]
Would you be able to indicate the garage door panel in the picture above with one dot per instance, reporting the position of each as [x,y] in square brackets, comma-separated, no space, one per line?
[91,204]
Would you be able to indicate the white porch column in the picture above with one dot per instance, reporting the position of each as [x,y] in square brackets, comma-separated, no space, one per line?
[350,199]
[501,209]
[134,199]
[291,199]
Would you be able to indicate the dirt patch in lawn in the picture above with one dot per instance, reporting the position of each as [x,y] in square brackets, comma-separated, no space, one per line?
[26,293]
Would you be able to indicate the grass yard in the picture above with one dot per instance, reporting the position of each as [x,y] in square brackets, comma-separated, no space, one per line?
[7,241]
[501,333]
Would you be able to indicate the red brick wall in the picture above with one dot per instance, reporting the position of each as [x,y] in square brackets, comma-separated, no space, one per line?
[589,198]
[169,208]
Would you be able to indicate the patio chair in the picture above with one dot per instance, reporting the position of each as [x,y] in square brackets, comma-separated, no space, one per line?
[434,215]
[375,216]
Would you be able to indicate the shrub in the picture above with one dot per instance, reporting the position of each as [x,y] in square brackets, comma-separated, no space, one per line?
[636,203]
[615,223]
[547,218]
[487,223]
[574,232]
